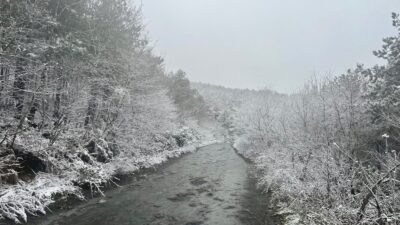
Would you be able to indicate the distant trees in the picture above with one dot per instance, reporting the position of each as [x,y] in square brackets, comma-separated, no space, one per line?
[329,152]
[188,100]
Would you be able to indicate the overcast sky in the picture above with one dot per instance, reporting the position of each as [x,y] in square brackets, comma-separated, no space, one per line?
[277,44]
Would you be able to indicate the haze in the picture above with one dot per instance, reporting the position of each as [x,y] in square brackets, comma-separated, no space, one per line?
[266,43]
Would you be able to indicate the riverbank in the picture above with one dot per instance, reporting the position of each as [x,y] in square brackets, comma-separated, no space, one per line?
[69,202]
[285,214]
[210,186]
[70,176]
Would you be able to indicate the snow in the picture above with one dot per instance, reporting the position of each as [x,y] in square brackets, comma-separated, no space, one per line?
[19,201]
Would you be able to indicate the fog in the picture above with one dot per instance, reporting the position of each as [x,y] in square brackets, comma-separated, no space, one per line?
[266,43]
[101,122]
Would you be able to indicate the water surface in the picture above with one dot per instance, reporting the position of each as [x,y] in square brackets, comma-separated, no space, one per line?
[211,186]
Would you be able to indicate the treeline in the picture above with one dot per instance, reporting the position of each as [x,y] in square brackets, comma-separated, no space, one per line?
[330,152]
[80,86]
[232,108]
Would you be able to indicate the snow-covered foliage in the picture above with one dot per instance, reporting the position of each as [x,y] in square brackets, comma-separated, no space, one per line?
[16,201]
[233,108]
[316,150]
[83,98]
[68,167]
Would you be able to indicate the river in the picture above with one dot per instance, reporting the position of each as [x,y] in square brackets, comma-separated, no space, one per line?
[211,186]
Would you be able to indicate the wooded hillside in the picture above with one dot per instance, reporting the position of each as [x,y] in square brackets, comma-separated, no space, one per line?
[82,98]
[329,153]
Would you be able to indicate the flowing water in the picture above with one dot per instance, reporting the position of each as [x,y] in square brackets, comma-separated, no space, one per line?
[211,186]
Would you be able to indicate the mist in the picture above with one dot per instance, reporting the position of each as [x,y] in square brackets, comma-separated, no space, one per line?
[276,44]
[199,112]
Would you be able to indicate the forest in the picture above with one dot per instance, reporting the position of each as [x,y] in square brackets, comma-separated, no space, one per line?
[329,153]
[84,99]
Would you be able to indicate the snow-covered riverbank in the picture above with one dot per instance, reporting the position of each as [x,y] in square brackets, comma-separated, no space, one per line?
[66,175]
[241,146]
[210,186]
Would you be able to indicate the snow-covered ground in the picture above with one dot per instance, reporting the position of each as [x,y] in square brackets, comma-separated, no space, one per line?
[33,197]
[242,147]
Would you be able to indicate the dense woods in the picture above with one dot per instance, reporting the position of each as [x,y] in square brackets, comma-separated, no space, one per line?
[83,98]
[329,153]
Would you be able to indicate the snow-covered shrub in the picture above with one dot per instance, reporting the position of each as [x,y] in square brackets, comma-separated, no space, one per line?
[19,201]
[314,150]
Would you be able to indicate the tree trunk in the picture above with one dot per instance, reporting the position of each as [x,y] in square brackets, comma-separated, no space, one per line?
[92,106]
[57,103]
[3,71]
[19,86]
[44,101]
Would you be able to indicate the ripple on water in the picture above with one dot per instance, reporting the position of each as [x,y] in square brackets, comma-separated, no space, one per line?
[210,187]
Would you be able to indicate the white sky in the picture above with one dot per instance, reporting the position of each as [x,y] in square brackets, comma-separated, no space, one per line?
[277,44]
